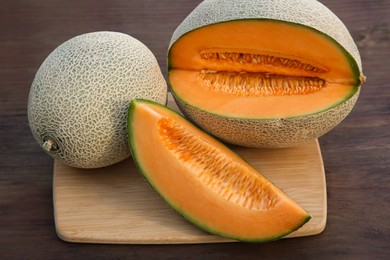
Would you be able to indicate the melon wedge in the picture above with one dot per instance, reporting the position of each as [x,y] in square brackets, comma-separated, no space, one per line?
[206,182]
[264,73]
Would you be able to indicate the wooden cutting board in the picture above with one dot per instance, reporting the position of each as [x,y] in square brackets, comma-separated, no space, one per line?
[116,205]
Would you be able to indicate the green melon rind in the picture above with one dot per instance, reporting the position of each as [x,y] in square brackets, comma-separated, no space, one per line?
[196,222]
[309,13]
[268,133]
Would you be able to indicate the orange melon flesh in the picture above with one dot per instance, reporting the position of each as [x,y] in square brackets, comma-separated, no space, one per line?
[205,181]
[186,86]
[315,55]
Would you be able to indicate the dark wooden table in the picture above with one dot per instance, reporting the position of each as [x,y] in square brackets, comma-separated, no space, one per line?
[356,153]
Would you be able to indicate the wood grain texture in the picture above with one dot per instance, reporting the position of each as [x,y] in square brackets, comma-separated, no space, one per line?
[116,205]
[356,153]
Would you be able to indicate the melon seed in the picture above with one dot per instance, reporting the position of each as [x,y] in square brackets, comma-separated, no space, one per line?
[243,83]
[257,59]
[226,177]
[259,84]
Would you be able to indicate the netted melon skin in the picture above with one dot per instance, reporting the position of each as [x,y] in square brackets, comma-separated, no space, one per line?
[310,13]
[268,133]
[81,93]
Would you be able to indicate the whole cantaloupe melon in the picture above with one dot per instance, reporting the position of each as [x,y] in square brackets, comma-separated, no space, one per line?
[264,73]
[79,97]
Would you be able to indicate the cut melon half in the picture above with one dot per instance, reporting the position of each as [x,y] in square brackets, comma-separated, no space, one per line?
[264,69]
[206,182]
[227,61]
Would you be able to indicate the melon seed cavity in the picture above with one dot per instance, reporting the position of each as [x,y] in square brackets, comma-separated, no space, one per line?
[259,84]
[226,177]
